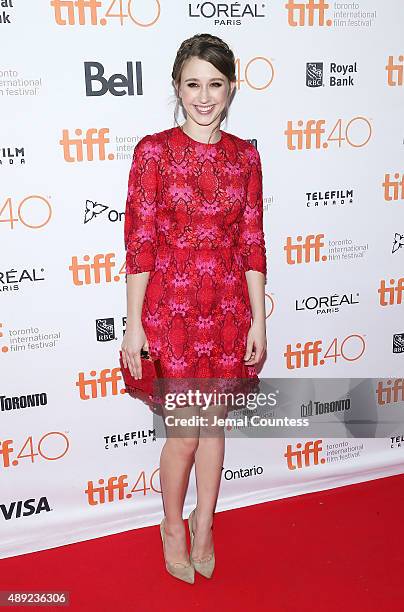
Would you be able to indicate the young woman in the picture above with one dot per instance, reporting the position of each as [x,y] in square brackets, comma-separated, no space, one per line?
[196,270]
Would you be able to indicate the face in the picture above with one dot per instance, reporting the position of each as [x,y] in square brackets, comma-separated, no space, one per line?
[203,90]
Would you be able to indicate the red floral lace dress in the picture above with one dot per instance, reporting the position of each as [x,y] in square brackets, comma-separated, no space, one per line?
[194,219]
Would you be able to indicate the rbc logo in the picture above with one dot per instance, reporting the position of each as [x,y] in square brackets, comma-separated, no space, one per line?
[314,74]
[117,84]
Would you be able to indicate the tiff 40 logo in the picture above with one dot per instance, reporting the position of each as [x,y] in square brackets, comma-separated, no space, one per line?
[104,12]
[33,212]
[51,447]
[313,354]
[117,488]
[313,133]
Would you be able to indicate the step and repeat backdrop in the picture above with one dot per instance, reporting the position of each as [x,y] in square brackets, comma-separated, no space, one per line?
[320,92]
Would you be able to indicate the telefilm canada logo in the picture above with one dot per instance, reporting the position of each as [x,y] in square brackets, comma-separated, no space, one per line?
[136,438]
[329,197]
[338,75]
[12,156]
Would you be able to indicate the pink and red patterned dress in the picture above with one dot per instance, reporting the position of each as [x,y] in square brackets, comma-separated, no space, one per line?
[194,219]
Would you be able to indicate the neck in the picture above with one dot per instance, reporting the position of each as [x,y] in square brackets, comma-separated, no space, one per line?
[202,133]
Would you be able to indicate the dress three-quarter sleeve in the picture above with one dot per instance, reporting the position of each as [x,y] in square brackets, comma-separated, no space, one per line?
[251,232]
[140,234]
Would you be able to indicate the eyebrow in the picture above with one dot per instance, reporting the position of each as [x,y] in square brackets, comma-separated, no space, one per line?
[195,79]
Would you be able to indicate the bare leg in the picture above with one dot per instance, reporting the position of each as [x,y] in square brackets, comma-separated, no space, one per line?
[209,458]
[176,460]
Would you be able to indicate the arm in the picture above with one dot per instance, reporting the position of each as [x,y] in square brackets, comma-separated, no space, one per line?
[140,243]
[253,252]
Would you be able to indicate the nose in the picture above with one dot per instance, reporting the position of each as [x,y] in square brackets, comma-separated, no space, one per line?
[204,94]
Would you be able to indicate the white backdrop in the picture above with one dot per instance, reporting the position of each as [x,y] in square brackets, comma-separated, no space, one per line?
[322,99]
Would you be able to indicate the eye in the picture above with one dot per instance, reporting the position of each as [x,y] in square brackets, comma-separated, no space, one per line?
[217,84]
[192,84]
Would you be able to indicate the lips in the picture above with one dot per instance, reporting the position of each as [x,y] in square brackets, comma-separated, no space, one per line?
[204,110]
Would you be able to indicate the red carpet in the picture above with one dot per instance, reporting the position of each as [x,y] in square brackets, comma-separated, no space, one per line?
[340,549]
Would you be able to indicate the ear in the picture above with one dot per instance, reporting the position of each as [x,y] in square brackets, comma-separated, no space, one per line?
[232,86]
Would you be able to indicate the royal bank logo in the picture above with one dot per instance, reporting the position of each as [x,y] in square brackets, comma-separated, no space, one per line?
[314,74]
[398,343]
[5,15]
[105,329]
[338,75]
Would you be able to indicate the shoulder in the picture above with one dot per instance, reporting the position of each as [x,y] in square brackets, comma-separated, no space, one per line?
[245,147]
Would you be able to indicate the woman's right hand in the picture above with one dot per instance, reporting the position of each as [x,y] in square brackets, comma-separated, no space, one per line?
[134,339]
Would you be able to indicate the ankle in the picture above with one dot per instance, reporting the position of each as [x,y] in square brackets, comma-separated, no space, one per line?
[174,527]
[203,521]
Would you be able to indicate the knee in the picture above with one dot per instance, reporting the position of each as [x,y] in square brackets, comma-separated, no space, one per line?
[183,446]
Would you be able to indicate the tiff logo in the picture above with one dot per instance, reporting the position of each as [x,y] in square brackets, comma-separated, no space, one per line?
[99,387]
[310,454]
[303,135]
[388,296]
[96,495]
[79,8]
[83,148]
[89,273]
[311,249]
[308,13]
[395,71]
[390,392]
[393,190]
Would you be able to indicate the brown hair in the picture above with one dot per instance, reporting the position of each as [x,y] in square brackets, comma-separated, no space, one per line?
[211,49]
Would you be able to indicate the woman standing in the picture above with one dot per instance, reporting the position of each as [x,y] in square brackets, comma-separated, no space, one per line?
[196,270]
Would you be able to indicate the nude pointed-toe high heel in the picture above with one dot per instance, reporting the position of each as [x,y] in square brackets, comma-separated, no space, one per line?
[205,566]
[178,570]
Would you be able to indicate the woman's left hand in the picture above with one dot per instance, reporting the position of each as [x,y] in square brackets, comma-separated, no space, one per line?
[256,343]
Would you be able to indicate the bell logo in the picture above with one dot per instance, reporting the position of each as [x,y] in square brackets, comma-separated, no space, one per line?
[310,454]
[100,269]
[308,13]
[117,84]
[311,249]
[95,139]
[393,189]
[389,296]
[395,71]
